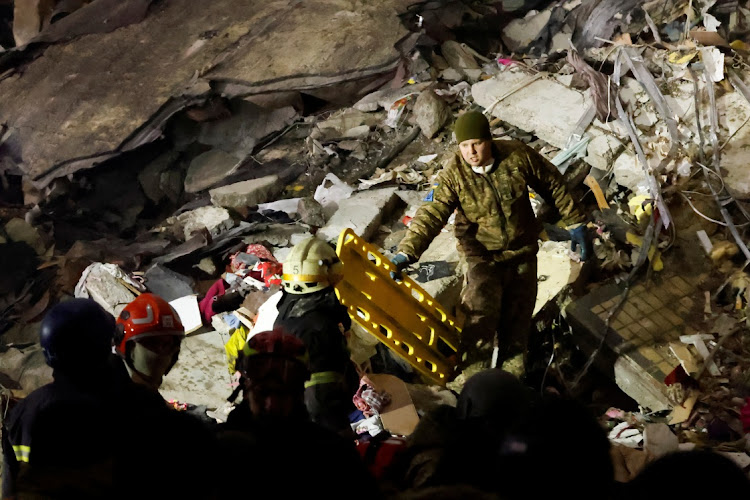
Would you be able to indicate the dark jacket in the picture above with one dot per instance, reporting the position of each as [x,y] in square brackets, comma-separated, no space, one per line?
[289,458]
[102,437]
[314,318]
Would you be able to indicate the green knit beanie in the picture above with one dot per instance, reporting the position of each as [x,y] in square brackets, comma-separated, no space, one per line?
[472,125]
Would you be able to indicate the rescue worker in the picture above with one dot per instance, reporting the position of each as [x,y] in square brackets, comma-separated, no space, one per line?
[310,310]
[57,440]
[270,436]
[485,182]
[148,338]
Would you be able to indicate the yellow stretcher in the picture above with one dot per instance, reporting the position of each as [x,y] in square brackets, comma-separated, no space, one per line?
[398,313]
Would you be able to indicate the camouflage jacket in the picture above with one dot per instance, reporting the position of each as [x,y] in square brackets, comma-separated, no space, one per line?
[494,216]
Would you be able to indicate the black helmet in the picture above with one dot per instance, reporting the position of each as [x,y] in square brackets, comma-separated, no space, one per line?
[76,333]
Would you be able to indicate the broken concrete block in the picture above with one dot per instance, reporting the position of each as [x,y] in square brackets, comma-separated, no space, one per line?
[451,75]
[247,193]
[551,111]
[348,119]
[29,18]
[431,113]
[168,284]
[384,98]
[107,286]
[310,212]
[601,151]
[362,212]
[543,107]
[520,33]
[239,133]
[278,235]
[210,168]
[200,375]
[26,366]
[22,334]
[357,132]
[457,56]
[446,290]
[658,439]
[215,219]
[734,111]
[171,184]
[150,177]
[19,230]
[555,271]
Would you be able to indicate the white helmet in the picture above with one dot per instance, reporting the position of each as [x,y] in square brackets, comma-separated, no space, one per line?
[312,265]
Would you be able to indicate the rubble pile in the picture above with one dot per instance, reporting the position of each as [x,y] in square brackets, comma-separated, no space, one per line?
[229,140]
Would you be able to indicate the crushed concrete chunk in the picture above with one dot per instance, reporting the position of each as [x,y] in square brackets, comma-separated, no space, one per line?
[247,193]
[362,212]
[520,33]
[348,119]
[310,212]
[457,56]
[384,98]
[200,375]
[551,111]
[106,289]
[248,124]
[151,179]
[555,271]
[26,366]
[168,284]
[210,168]
[19,230]
[215,219]
[431,113]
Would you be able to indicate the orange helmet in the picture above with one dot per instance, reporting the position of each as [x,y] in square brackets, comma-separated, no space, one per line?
[147,316]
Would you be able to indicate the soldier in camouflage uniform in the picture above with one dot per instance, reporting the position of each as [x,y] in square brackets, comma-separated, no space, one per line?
[486,184]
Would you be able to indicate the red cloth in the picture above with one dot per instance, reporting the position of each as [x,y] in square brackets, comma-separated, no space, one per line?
[379,454]
[254,249]
[206,304]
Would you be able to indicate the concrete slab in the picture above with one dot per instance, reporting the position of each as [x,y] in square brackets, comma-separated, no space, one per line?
[637,342]
[247,193]
[201,376]
[168,284]
[363,212]
[25,367]
[215,219]
[555,271]
[551,110]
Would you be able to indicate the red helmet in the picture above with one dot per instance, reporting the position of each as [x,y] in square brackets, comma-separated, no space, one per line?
[147,316]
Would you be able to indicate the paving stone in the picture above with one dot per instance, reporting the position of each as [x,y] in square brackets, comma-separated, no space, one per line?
[639,335]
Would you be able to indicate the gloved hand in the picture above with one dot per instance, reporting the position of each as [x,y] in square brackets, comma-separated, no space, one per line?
[400,261]
[578,237]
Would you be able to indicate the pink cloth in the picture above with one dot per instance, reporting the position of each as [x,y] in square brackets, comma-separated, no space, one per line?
[206,304]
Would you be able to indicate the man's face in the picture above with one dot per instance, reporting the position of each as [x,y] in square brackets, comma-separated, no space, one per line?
[476,152]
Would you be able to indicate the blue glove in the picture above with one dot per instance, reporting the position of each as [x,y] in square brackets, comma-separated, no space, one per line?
[578,237]
[400,261]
